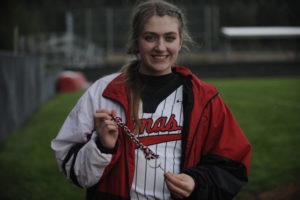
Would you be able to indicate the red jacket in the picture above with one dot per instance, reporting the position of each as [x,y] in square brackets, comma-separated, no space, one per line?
[216,153]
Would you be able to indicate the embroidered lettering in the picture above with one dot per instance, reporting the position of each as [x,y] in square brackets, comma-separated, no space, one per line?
[160,125]
[146,123]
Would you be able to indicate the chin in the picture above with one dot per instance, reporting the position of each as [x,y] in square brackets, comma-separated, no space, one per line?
[160,68]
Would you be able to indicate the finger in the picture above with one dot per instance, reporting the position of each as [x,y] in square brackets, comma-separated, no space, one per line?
[172,178]
[102,116]
[108,136]
[180,184]
[103,111]
[175,191]
[114,113]
[177,179]
[108,133]
[109,122]
[175,185]
[112,129]
[104,123]
[111,126]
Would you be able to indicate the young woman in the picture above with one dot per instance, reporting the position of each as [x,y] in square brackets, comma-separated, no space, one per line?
[198,149]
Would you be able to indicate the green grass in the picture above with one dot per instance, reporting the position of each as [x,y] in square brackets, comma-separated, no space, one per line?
[28,169]
[267,110]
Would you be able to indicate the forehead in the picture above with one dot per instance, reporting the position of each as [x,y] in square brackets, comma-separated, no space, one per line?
[161,24]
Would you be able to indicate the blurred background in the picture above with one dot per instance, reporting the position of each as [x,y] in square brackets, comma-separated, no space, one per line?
[51,50]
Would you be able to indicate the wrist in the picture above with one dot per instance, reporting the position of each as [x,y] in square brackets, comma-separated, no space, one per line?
[104,149]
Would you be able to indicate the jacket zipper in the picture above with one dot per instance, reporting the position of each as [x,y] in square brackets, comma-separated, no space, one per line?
[198,125]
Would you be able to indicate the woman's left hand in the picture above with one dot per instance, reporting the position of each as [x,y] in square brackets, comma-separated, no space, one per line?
[180,185]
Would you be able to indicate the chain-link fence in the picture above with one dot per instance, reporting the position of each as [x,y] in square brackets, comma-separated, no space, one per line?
[105,29]
[108,27]
[24,85]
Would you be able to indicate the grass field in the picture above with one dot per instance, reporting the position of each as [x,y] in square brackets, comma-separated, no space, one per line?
[267,110]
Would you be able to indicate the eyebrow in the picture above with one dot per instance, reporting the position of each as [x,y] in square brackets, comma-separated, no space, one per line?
[153,33]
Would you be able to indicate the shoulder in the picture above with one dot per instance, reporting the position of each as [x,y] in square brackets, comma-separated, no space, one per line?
[96,89]
[199,87]
[102,83]
[106,79]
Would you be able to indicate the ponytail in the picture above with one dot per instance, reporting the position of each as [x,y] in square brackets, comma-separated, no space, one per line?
[134,90]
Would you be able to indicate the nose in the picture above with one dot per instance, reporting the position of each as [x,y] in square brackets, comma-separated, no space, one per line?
[160,45]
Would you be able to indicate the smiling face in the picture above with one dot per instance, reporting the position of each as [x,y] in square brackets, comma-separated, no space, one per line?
[159,45]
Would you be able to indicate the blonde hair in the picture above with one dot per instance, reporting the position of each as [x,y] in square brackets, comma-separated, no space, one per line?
[141,13]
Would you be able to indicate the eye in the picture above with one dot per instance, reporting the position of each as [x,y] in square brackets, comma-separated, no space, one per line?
[170,38]
[150,38]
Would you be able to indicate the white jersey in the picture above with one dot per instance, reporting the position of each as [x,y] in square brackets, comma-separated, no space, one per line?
[161,132]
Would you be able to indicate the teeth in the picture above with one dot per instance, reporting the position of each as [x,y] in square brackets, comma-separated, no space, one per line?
[160,57]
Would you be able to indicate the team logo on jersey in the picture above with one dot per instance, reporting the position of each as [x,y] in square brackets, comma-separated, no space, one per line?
[160,125]
[149,127]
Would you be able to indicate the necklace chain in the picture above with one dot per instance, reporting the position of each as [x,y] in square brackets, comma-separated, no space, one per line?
[149,154]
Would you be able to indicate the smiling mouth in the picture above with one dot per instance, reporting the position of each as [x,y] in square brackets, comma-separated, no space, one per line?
[159,57]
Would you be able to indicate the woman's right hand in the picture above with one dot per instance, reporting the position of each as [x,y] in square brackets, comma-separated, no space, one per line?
[106,128]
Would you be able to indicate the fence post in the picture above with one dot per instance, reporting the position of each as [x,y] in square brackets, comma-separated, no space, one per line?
[88,25]
[16,39]
[207,29]
[109,32]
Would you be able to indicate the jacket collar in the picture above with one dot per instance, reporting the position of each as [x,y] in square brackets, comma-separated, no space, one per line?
[116,89]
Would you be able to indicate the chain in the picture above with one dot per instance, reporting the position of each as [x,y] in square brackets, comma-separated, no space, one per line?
[149,154]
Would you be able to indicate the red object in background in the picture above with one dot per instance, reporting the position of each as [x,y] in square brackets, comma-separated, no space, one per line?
[70,81]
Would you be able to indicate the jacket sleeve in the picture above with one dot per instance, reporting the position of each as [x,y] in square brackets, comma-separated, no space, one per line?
[77,150]
[224,165]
